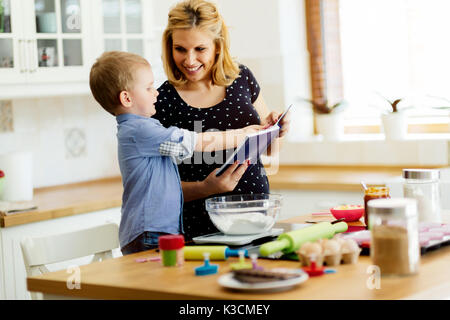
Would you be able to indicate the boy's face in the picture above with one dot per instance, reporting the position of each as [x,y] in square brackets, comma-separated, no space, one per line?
[143,94]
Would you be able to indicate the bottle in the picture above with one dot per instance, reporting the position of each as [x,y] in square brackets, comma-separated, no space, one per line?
[423,185]
[44,57]
[373,193]
[394,232]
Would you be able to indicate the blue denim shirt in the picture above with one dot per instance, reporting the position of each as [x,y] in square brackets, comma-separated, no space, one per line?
[152,198]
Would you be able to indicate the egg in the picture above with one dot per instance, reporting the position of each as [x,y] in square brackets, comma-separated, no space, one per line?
[339,239]
[311,248]
[350,245]
[331,247]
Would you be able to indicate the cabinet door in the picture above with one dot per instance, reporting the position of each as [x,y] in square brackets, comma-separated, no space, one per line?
[125,26]
[58,40]
[13,55]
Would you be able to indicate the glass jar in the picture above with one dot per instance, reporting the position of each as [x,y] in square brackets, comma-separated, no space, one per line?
[394,246]
[423,185]
[370,194]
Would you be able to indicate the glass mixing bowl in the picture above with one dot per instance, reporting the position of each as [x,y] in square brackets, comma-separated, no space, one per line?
[244,214]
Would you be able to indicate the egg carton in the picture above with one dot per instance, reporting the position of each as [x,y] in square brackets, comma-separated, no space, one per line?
[432,236]
[331,252]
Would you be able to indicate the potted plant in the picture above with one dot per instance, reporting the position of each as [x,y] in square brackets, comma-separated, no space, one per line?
[394,120]
[328,118]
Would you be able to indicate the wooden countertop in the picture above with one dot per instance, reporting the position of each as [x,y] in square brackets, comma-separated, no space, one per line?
[71,199]
[68,200]
[331,178]
[124,278]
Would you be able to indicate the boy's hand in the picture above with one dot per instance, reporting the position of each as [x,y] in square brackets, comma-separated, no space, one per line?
[252,129]
[227,181]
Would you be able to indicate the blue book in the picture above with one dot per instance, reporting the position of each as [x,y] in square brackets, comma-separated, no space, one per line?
[254,145]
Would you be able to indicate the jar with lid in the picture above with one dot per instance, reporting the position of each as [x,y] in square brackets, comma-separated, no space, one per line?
[423,185]
[373,193]
[394,246]
[171,250]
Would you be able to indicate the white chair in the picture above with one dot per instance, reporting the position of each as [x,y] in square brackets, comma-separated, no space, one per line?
[41,251]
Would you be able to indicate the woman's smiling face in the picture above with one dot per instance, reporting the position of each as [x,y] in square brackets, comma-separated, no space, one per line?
[194,53]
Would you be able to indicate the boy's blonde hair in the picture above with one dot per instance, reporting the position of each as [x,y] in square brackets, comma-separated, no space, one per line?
[112,73]
[205,16]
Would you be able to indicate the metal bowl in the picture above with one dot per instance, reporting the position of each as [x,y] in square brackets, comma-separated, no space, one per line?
[244,214]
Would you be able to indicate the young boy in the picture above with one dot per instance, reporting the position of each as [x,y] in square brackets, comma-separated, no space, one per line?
[122,83]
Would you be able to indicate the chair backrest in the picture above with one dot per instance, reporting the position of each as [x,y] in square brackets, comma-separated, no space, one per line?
[41,251]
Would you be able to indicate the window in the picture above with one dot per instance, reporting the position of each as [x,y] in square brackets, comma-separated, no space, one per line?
[388,49]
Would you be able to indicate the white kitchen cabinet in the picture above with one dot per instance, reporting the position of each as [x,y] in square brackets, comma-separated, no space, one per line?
[47,41]
[47,47]
[12,268]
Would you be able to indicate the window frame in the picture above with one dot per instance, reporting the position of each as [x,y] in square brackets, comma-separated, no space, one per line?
[323,36]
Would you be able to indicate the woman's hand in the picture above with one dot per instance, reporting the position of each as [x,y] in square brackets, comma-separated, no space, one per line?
[272,118]
[227,181]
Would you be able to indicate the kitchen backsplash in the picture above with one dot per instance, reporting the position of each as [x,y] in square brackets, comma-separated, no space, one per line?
[72,138]
[6,117]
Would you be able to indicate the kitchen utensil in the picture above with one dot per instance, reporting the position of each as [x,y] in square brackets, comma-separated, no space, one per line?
[215,252]
[291,241]
[236,240]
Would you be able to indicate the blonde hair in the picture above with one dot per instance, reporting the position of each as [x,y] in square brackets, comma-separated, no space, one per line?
[112,73]
[205,16]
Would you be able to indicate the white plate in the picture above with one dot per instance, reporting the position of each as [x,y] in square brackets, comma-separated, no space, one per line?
[228,281]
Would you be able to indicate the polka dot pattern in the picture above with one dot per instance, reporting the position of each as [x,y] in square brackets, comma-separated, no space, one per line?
[234,112]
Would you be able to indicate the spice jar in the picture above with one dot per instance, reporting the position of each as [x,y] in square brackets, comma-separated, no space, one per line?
[171,249]
[370,194]
[394,231]
[423,185]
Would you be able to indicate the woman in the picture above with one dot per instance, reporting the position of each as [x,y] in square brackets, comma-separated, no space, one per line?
[207,90]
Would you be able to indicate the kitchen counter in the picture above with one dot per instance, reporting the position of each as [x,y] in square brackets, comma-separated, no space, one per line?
[66,200]
[124,278]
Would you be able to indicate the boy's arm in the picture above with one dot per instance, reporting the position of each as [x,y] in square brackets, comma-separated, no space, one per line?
[222,140]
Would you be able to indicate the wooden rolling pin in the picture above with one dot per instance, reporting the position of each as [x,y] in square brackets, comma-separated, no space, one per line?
[291,241]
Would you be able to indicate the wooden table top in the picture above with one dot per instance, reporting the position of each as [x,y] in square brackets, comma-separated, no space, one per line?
[124,278]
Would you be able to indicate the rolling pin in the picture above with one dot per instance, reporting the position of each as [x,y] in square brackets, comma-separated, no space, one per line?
[291,241]
[215,252]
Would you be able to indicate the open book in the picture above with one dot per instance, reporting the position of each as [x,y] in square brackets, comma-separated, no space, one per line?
[254,145]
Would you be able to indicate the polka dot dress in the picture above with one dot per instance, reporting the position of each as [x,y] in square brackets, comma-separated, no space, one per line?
[234,112]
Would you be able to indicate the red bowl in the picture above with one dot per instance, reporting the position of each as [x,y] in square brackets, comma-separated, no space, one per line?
[352,213]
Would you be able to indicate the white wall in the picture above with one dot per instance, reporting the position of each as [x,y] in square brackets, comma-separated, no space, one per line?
[72,139]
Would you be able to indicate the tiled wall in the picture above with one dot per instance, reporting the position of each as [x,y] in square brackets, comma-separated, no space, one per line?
[72,139]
